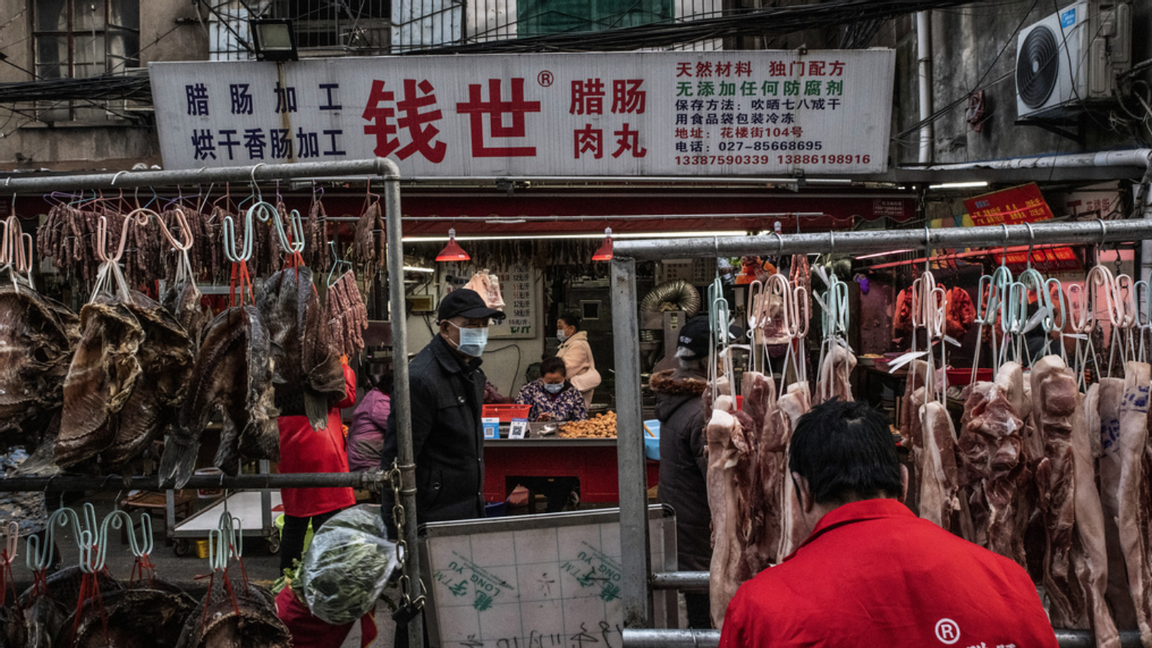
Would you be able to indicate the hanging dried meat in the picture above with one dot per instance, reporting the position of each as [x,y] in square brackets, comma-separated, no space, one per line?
[316,253]
[232,375]
[368,246]
[37,336]
[239,614]
[100,379]
[309,377]
[165,358]
[346,315]
[184,301]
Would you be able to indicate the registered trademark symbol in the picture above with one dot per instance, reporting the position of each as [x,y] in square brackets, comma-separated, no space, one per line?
[545,78]
[947,631]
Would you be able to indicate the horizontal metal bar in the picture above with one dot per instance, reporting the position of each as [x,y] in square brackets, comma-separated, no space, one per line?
[685,581]
[647,638]
[17,183]
[1085,639]
[152,483]
[883,240]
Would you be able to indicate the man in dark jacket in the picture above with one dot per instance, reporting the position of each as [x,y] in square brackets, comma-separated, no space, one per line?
[446,387]
[683,466]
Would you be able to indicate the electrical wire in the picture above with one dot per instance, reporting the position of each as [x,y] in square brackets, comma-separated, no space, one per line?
[762,22]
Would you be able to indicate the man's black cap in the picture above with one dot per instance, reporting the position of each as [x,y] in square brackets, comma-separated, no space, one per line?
[694,337]
[463,302]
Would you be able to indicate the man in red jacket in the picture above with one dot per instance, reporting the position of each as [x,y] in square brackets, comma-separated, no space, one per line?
[872,573]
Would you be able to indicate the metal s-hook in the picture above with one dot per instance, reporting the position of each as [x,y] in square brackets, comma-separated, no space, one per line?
[1103,231]
[831,242]
[780,245]
[115,176]
[1031,243]
[1004,256]
[252,174]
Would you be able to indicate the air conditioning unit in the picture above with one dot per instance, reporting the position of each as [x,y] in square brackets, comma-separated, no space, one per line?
[1071,58]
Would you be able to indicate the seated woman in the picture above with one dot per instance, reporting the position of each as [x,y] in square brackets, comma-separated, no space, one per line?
[551,396]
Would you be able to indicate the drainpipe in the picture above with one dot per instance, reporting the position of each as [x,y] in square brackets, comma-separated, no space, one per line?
[924,64]
[1128,158]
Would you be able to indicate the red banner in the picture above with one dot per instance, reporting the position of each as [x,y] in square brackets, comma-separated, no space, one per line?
[1014,206]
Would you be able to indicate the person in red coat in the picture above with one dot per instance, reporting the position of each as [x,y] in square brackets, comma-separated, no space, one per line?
[872,573]
[306,450]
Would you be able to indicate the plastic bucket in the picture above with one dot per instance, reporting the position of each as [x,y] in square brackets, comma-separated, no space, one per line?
[307,534]
[201,548]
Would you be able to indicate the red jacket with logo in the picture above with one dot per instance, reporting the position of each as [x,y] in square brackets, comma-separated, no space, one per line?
[305,450]
[872,574]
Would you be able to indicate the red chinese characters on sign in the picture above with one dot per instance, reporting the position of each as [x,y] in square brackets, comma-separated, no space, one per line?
[1023,204]
[587,98]
[418,112]
[496,108]
[1013,206]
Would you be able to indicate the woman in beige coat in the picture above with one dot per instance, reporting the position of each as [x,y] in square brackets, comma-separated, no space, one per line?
[577,355]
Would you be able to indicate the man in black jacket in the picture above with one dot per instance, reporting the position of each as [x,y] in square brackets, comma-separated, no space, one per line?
[446,386]
[683,466]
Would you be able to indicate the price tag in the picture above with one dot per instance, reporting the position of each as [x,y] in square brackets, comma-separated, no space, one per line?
[519,427]
[491,428]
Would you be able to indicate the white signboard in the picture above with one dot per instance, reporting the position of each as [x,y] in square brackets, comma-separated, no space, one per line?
[637,114]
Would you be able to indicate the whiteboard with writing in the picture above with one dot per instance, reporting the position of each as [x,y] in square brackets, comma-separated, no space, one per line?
[536,581]
[518,287]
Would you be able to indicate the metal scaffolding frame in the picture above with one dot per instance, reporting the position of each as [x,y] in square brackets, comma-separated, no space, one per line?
[381,168]
[638,579]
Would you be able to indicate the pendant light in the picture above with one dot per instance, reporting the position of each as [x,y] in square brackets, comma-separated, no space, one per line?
[605,251]
[452,251]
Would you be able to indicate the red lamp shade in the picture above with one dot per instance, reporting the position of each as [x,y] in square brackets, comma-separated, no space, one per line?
[452,251]
[605,251]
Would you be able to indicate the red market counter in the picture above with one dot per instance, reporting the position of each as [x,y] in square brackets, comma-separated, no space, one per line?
[592,461]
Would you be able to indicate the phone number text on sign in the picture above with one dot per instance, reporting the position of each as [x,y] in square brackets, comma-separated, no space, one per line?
[804,160]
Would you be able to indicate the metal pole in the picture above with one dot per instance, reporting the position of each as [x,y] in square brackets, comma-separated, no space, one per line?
[684,581]
[401,399]
[885,240]
[711,638]
[152,483]
[260,172]
[633,483]
[671,638]
[924,62]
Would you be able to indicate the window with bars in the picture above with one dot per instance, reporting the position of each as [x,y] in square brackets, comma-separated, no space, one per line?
[337,26]
[83,38]
[542,17]
[322,27]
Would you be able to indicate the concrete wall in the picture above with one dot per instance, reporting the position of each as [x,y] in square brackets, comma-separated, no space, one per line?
[91,138]
[974,47]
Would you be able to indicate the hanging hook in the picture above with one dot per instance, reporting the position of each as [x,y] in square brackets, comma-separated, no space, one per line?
[780,245]
[1031,243]
[115,176]
[1004,256]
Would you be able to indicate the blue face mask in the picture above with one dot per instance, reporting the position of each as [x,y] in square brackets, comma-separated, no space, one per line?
[472,341]
[553,388]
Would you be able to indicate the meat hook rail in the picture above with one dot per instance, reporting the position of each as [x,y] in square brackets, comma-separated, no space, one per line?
[638,579]
[378,168]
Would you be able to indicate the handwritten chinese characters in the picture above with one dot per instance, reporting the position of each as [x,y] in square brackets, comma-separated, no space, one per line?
[545,587]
